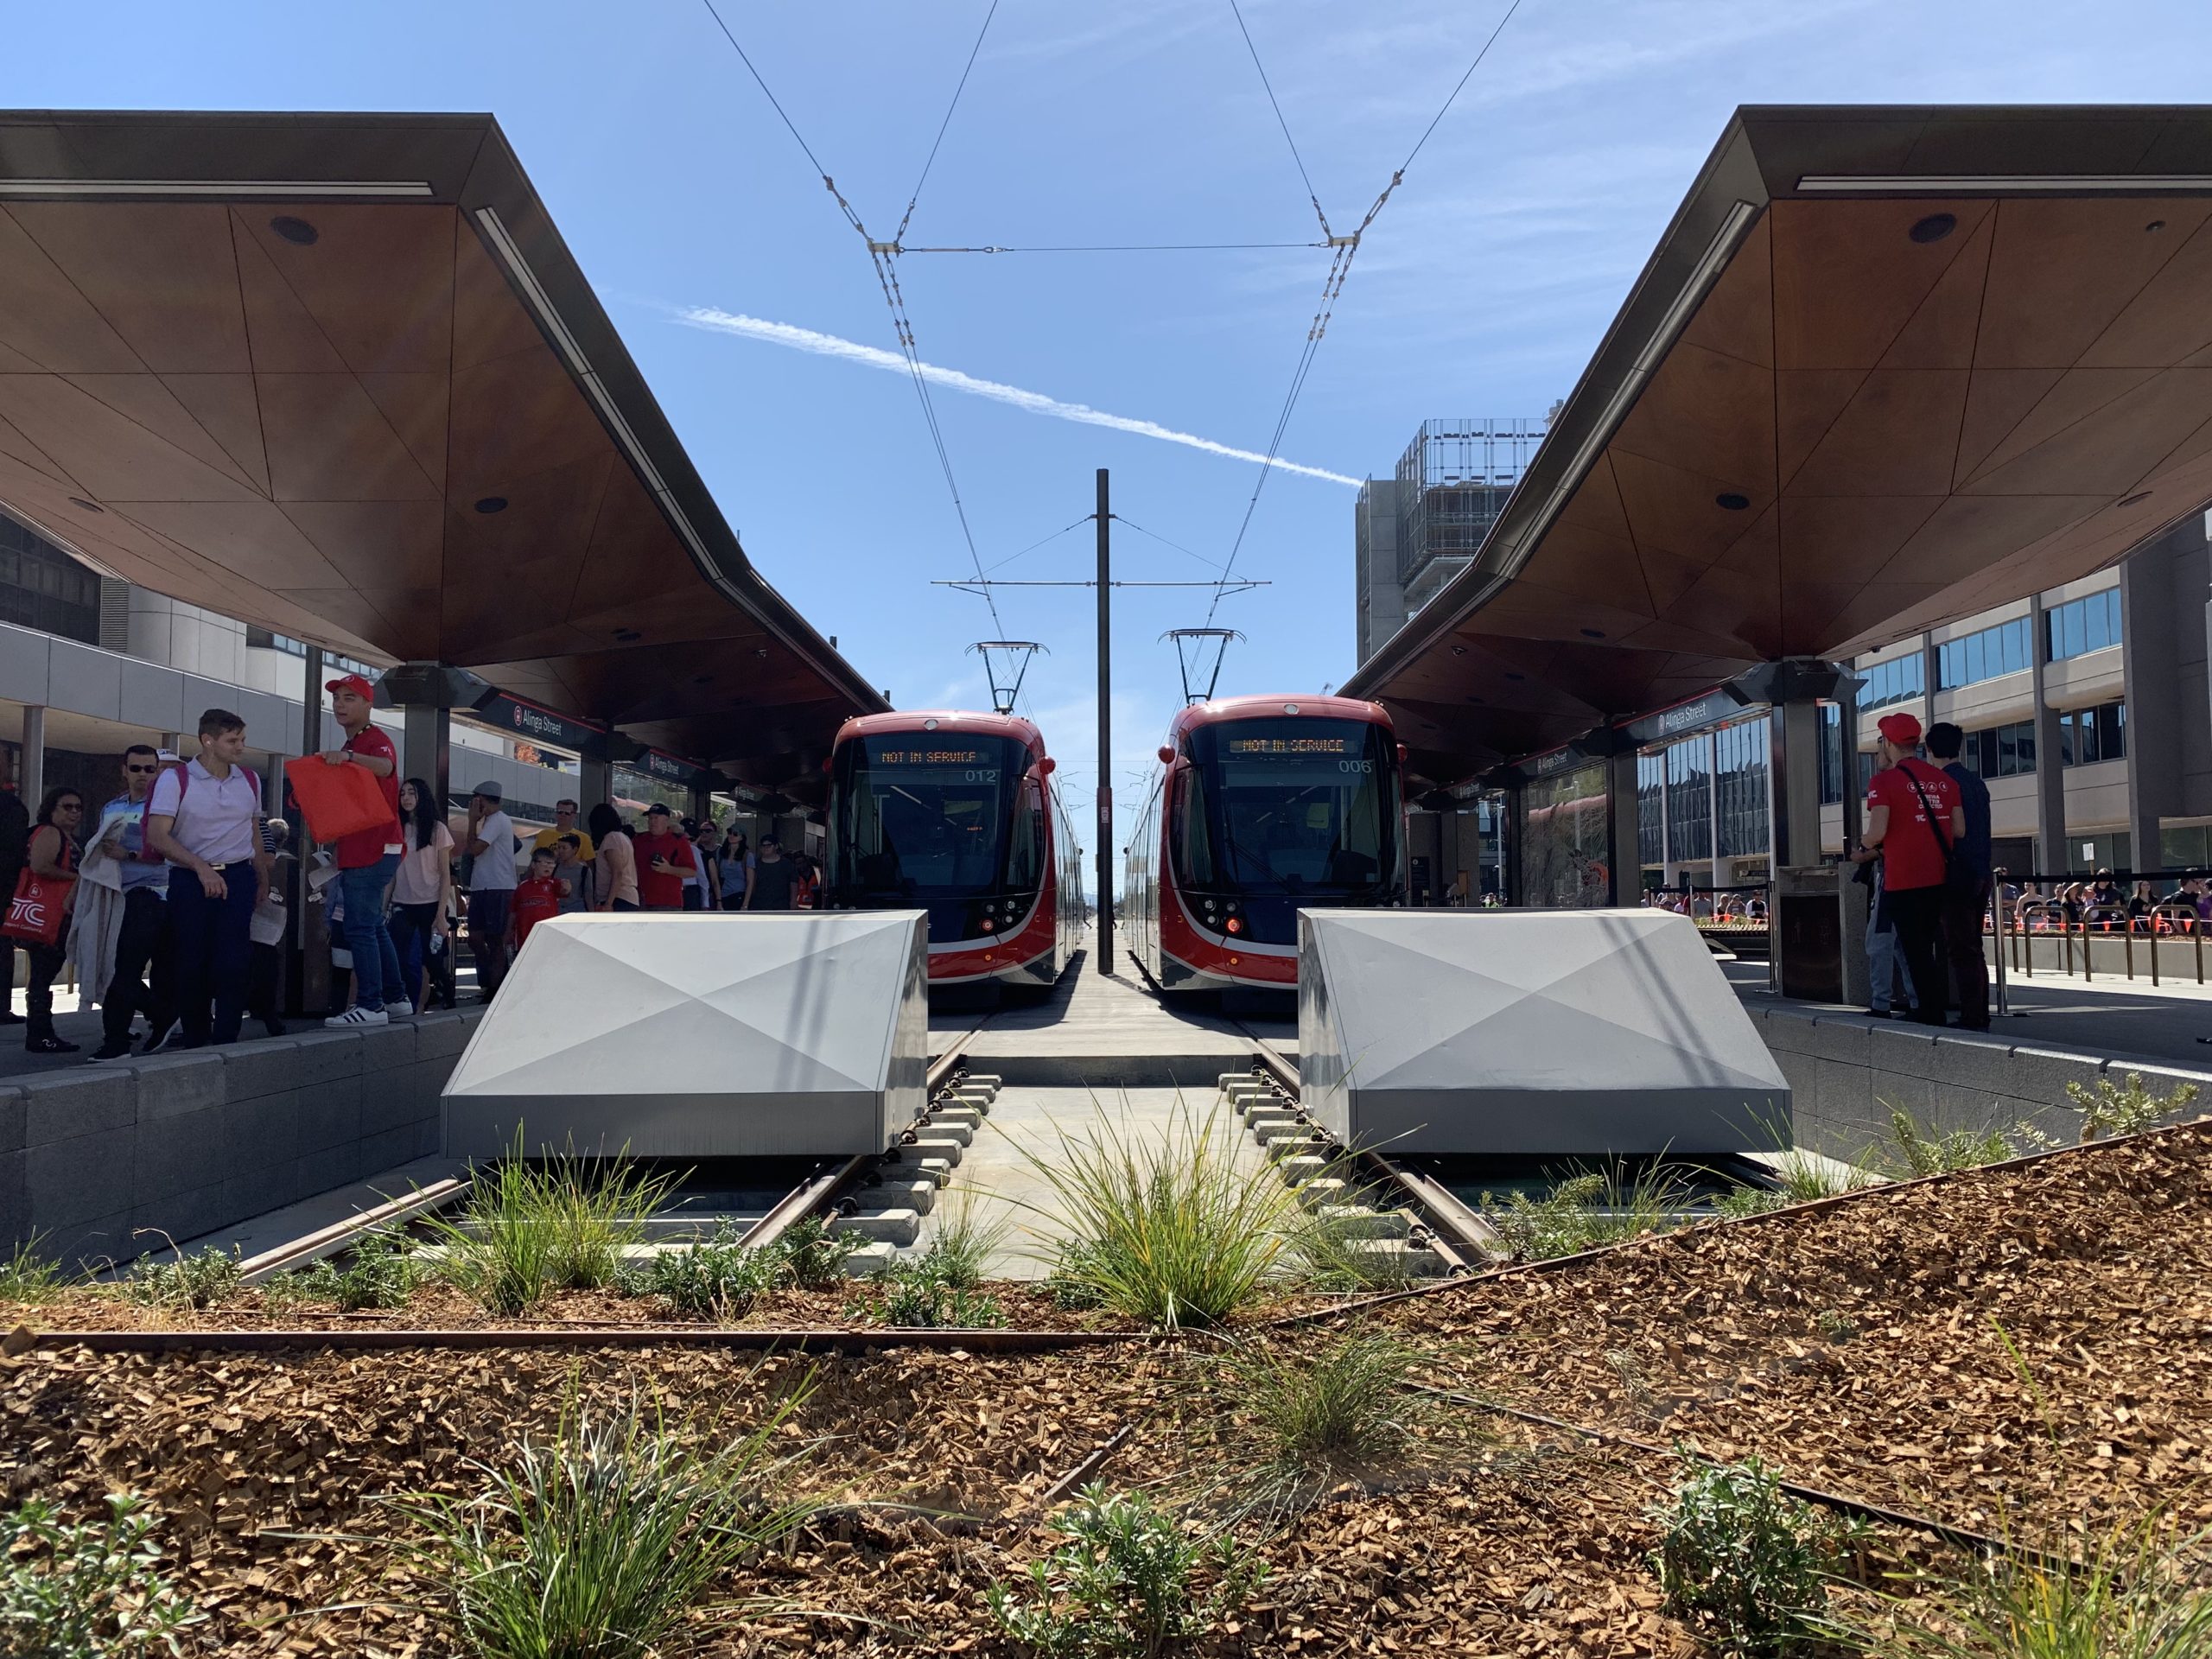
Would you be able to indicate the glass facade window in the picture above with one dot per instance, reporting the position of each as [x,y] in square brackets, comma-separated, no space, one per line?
[1983,655]
[264,639]
[2002,751]
[1898,680]
[42,588]
[2089,735]
[2081,625]
[1713,785]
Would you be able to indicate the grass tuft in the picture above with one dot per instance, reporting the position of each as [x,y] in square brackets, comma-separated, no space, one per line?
[28,1277]
[1167,1228]
[1344,1408]
[2133,1598]
[604,1543]
[1915,1149]
[531,1229]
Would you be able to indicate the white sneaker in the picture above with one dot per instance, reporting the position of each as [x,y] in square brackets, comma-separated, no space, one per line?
[398,1006]
[353,1017]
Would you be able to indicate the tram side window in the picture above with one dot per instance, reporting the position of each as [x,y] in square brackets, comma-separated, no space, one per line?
[1187,831]
[1025,843]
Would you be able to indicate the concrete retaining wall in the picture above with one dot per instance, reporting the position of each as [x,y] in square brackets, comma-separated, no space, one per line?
[1846,1073]
[183,1143]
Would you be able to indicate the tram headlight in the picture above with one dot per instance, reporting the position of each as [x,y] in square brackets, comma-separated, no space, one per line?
[987,923]
[1236,925]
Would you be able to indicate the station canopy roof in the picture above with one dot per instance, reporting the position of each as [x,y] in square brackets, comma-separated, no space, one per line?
[1887,367]
[339,376]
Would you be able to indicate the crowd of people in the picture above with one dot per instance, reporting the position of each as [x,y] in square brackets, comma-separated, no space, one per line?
[174,898]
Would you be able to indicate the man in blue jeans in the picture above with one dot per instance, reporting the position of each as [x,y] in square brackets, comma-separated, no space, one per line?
[368,859]
[204,818]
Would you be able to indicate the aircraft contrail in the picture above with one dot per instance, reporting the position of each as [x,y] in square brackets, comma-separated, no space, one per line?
[807,339]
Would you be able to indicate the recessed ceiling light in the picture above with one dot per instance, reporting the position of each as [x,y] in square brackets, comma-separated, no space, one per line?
[2155,226]
[1731,500]
[297,232]
[1935,227]
[1594,633]
[491,504]
[2129,500]
[626,635]
[1458,650]
[89,506]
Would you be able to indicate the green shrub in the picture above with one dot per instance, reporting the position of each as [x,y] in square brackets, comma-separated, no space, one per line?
[602,1544]
[184,1283]
[2134,1597]
[813,1253]
[1124,1584]
[1167,1228]
[1742,1561]
[921,1293]
[381,1271]
[94,1591]
[717,1278]
[1073,1286]
[1915,1149]
[2127,1108]
[963,1242]
[1587,1211]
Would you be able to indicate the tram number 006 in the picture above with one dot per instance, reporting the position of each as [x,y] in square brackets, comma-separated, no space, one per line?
[1367,767]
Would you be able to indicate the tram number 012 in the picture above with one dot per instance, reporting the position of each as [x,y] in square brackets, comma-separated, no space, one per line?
[989,775]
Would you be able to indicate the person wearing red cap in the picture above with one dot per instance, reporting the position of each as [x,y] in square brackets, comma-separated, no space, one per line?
[367,859]
[1914,820]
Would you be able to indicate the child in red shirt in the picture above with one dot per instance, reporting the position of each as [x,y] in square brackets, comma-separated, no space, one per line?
[536,896]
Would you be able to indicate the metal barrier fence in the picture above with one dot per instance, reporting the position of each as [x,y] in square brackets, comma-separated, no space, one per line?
[2166,936]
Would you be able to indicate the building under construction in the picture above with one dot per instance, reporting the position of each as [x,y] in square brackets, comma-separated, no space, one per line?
[1415,531]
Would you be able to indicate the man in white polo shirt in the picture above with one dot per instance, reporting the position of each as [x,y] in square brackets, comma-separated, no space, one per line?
[205,817]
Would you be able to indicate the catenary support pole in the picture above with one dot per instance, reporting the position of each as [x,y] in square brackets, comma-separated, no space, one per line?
[1105,943]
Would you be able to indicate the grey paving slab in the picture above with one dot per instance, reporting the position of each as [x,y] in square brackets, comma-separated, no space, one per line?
[1110,1031]
[998,1181]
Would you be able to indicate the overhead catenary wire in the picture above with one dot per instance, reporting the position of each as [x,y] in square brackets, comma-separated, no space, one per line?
[900,234]
[880,256]
[1312,195]
[1332,286]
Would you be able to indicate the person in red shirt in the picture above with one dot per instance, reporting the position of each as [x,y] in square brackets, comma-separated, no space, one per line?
[664,858]
[367,859]
[537,895]
[1914,818]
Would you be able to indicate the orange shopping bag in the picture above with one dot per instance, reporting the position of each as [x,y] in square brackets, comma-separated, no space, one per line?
[337,800]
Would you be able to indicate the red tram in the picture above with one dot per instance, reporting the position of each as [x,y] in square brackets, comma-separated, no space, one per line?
[1262,806]
[957,814]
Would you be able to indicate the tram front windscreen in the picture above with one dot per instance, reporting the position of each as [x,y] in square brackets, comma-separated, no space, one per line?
[923,817]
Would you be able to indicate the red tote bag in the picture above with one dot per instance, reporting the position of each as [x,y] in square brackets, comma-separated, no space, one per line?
[337,800]
[39,908]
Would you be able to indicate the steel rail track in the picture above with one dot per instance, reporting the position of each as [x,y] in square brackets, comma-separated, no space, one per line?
[1459,1237]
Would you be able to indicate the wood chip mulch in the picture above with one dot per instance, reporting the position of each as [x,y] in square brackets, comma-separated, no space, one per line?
[1999,1346]
[1859,1348]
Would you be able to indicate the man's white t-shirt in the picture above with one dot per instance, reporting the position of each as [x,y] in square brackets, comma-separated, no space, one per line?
[216,820]
[493,870]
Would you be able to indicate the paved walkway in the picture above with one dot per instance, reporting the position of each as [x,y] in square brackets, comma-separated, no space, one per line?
[2111,1019]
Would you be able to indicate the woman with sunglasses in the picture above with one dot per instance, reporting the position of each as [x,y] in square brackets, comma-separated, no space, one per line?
[52,859]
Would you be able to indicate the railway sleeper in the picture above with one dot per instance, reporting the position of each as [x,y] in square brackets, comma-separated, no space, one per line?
[888,1226]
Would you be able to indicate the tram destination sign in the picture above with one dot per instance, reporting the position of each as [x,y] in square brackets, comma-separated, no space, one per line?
[1289,746]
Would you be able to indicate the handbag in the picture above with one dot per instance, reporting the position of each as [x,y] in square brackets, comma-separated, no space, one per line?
[35,914]
[337,801]
[1957,877]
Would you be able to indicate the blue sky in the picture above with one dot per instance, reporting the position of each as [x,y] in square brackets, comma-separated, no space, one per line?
[1480,290]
